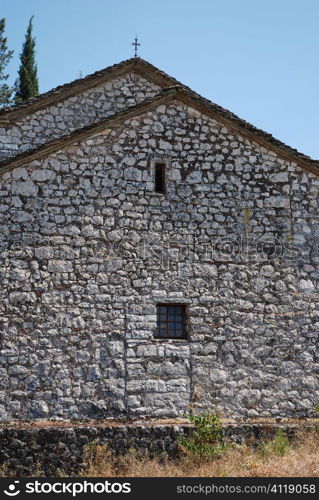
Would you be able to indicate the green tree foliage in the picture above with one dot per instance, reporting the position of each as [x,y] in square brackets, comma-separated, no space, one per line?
[27,83]
[5,56]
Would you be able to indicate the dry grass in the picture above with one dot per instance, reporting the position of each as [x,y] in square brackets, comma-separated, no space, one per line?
[300,459]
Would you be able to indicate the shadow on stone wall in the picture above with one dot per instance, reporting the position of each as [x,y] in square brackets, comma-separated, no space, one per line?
[54,450]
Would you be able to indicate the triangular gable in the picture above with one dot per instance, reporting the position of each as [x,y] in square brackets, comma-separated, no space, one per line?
[59,94]
[191,99]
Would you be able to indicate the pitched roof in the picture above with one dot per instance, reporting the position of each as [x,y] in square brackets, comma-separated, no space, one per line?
[58,94]
[188,97]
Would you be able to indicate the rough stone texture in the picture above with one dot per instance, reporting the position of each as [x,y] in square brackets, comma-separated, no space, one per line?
[25,452]
[74,112]
[87,250]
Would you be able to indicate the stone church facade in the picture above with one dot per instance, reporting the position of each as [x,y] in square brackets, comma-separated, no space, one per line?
[159,255]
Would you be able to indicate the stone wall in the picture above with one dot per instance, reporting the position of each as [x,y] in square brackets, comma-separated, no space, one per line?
[75,112]
[56,450]
[88,250]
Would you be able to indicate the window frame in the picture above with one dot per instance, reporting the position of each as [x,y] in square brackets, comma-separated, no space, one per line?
[184,336]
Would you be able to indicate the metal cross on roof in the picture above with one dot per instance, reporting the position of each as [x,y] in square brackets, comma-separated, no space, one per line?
[136,44]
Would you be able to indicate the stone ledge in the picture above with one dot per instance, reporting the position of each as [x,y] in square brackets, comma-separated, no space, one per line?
[148,421]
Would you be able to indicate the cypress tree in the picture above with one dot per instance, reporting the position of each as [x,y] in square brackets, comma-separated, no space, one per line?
[5,57]
[27,83]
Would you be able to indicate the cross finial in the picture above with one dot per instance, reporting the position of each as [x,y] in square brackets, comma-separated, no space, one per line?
[136,44]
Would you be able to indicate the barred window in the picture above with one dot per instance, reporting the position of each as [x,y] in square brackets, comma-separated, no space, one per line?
[171,321]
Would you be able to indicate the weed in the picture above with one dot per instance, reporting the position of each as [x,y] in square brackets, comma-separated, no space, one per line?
[97,459]
[279,446]
[206,439]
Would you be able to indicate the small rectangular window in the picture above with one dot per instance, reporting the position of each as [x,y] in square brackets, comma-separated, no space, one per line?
[170,321]
[159,178]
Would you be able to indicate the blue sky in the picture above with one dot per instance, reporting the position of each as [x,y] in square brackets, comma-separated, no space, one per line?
[257,58]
